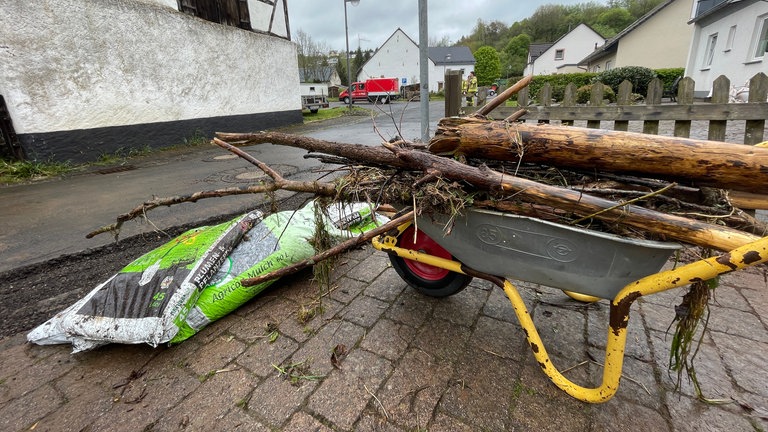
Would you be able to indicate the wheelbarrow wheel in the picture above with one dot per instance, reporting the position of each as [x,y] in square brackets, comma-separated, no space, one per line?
[424,278]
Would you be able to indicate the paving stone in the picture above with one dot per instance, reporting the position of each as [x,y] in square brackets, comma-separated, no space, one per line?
[726,296]
[746,361]
[411,394]
[364,311]
[370,269]
[689,415]
[621,415]
[344,394]
[498,306]
[237,420]
[303,422]
[710,371]
[346,289]
[462,308]
[534,412]
[443,423]
[303,331]
[500,338]
[275,399]
[143,401]
[260,357]
[411,308]
[318,350]
[217,354]
[387,286]
[561,330]
[210,402]
[737,323]
[388,339]
[443,339]
[480,390]
[377,423]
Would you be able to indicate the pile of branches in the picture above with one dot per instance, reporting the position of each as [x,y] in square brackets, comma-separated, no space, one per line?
[643,186]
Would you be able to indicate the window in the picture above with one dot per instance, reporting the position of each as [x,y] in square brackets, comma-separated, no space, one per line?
[559,54]
[608,65]
[709,54]
[761,42]
[731,37]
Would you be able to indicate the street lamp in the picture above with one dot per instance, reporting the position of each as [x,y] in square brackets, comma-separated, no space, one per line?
[346,35]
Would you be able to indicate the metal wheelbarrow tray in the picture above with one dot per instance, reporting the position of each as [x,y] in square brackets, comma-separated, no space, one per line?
[497,246]
[534,250]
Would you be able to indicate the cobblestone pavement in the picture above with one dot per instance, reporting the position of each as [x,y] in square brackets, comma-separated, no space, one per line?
[403,363]
[381,357]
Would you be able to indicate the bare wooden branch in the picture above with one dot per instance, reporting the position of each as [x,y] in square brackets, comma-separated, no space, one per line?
[503,96]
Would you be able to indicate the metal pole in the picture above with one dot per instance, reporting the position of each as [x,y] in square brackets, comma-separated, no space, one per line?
[423,70]
[349,73]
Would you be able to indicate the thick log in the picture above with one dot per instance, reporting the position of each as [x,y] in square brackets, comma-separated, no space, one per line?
[664,225]
[686,161]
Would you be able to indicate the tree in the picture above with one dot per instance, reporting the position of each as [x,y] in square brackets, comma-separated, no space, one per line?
[312,57]
[357,63]
[516,54]
[487,65]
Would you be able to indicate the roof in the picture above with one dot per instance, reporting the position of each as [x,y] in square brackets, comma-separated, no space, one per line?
[612,43]
[455,55]
[535,50]
[707,8]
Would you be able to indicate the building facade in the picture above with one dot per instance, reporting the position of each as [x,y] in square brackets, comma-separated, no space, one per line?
[81,79]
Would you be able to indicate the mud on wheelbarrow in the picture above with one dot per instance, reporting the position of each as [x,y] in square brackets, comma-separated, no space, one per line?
[439,255]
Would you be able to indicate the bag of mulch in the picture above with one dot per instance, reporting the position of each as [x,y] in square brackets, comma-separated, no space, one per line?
[280,240]
[145,301]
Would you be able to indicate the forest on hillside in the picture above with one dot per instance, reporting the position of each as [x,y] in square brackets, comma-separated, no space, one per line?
[547,24]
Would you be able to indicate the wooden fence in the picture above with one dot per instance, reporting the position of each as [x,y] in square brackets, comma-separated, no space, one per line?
[717,111]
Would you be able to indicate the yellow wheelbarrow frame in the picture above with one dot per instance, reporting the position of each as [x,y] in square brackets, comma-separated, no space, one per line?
[745,256]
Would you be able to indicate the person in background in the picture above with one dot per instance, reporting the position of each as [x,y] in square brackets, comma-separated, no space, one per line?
[471,88]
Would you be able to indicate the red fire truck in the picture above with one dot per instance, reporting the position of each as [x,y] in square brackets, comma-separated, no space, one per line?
[381,90]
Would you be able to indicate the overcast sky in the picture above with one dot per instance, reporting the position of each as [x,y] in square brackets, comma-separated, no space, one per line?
[371,22]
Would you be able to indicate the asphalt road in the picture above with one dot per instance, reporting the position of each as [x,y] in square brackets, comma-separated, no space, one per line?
[48,219]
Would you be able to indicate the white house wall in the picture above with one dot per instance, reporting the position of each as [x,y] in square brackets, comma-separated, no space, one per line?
[662,41]
[576,45]
[81,70]
[398,57]
[736,63]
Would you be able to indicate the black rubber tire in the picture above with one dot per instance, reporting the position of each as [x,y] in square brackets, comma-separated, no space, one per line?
[449,284]
[346,100]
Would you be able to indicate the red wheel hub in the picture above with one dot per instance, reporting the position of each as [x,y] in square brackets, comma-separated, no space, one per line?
[423,243]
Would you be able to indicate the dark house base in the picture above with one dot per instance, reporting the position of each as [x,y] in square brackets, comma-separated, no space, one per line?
[86,145]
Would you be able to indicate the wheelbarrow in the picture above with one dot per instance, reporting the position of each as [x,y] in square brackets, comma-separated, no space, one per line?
[439,255]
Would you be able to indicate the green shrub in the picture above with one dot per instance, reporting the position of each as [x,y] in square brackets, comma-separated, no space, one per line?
[639,77]
[668,76]
[558,83]
[584,94]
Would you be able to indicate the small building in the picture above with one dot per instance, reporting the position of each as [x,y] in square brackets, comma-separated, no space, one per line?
[563,55]
[730,38]
[398,57]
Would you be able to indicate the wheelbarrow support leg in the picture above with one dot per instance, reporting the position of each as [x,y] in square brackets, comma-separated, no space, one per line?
[740,258]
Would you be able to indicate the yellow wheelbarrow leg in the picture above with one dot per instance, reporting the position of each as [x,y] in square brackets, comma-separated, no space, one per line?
[740,258]
[614,356]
